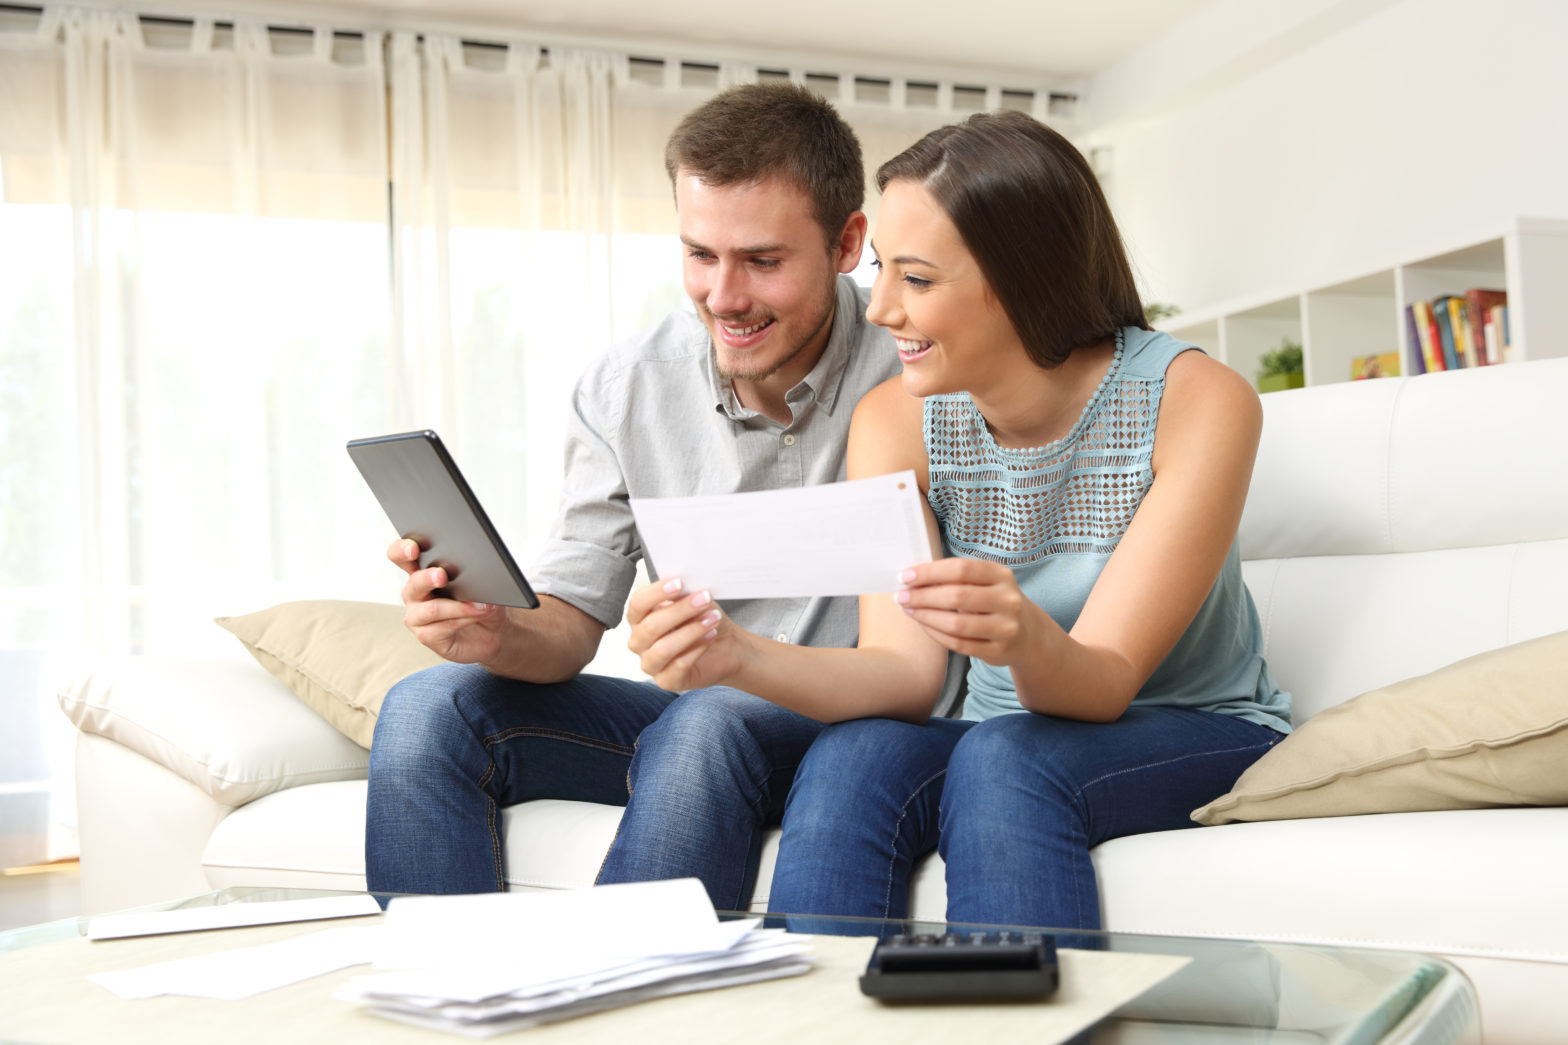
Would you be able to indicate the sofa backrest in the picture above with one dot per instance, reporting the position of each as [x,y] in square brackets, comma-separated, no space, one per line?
[1397,525]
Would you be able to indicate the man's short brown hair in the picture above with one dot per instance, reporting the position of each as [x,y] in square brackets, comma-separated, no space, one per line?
[756,131]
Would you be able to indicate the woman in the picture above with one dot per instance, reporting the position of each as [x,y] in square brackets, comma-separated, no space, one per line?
[1088,475]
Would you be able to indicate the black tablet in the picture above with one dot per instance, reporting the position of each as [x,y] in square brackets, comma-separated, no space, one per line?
[428,501]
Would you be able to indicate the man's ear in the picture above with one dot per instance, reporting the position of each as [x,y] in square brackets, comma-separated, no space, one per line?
[850,242]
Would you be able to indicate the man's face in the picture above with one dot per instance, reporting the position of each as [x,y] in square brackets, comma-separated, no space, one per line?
[761,273]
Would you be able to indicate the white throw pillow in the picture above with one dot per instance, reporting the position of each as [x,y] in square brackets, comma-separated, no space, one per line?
[224,725]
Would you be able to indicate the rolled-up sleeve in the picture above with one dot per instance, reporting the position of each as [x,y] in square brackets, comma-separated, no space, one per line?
[591,557]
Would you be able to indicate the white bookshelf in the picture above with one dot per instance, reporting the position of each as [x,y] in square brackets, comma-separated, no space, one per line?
[1364,315]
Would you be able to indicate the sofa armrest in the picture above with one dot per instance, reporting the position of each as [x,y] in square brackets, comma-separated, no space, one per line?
[225,725]
[142,828]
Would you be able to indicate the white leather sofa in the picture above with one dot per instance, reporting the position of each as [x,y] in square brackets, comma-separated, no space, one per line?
[1394,526]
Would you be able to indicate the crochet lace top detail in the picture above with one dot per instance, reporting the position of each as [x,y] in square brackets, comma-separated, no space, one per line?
[1017,506]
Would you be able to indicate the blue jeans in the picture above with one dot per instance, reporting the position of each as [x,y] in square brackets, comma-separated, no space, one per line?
[700,774]
[1014,804]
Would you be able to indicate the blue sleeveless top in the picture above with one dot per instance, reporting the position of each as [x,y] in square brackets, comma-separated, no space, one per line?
[1054,514]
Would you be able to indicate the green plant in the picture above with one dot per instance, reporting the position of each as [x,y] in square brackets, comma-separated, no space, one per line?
[1155,311]
[1286,359]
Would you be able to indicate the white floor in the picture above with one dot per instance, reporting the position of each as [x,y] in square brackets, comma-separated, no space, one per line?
[39,895]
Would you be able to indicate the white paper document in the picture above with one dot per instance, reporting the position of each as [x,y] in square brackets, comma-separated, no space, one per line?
[849,538]
[636,919]
[229,916]
[245,971]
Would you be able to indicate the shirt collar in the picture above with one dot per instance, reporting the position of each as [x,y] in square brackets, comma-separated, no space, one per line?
[823,380]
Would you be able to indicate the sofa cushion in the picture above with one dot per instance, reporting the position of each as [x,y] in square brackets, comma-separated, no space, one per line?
[309,837]
[1448,881]
[1490,730]
[339,657]
[222,724]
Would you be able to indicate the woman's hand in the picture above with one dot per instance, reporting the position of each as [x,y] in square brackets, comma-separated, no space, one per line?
[972,607]
[464,632]
[682,641]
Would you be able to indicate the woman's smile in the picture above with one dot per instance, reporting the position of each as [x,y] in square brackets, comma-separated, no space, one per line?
[909,351]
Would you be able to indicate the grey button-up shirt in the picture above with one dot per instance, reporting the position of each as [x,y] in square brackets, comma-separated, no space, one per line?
[653,418]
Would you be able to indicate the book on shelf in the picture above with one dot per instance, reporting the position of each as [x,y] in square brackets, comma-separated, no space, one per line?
[1497,332]
[1479,304]
[1413,338]
[1455,331]
[1445,331]
[1458,321]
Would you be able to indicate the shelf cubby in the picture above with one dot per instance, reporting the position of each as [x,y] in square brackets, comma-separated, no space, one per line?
[1362,315]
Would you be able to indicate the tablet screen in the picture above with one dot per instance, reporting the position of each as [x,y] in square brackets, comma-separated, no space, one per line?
[423,493]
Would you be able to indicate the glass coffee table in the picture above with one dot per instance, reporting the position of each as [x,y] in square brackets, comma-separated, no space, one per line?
[1223,991]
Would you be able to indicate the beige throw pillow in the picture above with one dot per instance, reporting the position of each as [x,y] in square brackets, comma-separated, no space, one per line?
[340,658]
[1491,730]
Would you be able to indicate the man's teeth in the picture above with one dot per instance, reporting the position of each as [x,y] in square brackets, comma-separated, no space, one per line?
[746,331]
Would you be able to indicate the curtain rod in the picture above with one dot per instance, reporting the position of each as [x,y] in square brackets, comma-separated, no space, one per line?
[1056,97]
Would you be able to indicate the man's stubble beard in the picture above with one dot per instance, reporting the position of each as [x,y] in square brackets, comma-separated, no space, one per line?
[823,320]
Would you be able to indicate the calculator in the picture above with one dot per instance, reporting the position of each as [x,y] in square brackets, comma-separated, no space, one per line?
[962,966]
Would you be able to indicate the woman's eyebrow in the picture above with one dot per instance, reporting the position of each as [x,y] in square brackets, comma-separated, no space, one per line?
[903,259]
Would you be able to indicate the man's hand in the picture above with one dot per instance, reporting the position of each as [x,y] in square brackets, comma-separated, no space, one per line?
[465,632]
[682,641]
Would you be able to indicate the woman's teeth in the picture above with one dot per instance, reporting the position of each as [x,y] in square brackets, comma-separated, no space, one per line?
[911,349]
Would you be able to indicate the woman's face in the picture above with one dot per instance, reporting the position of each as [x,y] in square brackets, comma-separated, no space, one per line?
[951,331]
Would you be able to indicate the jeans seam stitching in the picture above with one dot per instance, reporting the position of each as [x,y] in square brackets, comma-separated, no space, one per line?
[759,808]
[558,734]
[903,814]
[743,903]
[490,825]
[759,804]
[1078,793]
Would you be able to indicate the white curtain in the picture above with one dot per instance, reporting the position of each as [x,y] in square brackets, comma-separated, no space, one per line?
[227,249]
[502,211]
[195,315]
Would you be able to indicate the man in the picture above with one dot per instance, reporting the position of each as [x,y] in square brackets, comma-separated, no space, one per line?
[754,392]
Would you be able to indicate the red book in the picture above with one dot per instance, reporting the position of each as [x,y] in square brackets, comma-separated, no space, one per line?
[1478,303]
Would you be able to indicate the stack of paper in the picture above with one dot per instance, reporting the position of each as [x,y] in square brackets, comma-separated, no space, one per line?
[484,965]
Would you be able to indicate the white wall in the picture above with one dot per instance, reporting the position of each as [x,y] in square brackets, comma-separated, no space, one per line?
[1268,148]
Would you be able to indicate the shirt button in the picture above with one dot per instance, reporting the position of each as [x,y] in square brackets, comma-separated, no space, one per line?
[781,637]
[789,440]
